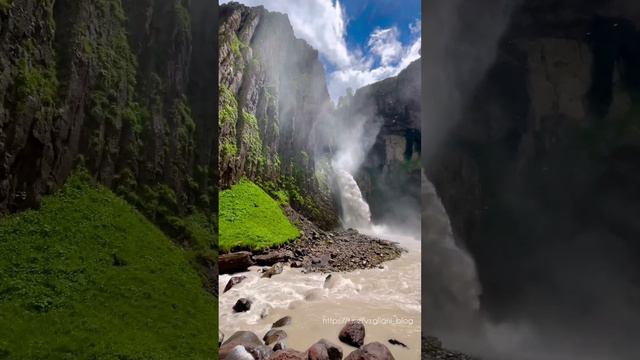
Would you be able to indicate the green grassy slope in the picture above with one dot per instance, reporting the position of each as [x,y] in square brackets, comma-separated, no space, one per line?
[251,219]
[88,277]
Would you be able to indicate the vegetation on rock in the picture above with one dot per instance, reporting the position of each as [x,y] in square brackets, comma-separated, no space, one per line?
[87,276]
[251,219]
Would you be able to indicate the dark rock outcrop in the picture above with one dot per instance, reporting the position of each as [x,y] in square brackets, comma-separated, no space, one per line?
[119,88]
[390,173]
[539,173]
[84,84]
[432,350]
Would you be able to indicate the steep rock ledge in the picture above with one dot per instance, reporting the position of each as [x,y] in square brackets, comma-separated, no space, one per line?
[391,170]
[105,84]
[272,94]
[545,155]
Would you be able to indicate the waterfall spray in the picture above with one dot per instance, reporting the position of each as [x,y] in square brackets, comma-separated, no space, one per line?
[355,210]
[454,288]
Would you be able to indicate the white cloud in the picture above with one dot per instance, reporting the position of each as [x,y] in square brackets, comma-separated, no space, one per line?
[319,22]
[385,44]
[323,24]
[416,27]
[365,73]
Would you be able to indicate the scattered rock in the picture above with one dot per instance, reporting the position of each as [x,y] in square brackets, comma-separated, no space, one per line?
[317,352]
[274,270]
[248,341]
[237,353]
[371,351]
[273,336]
[280,345]
[432,350]
[344,250]
[288,355]
[234,262]
[326,281]
[242,305]
[282,322]
[273,257]
[324,350]
[233,282]
[265,312]
[261,352]
[396,342]
[352,333]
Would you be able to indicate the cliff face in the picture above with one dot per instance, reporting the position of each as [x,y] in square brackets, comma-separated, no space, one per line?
[391,171]
[272,95]
[122,87]
[540,174]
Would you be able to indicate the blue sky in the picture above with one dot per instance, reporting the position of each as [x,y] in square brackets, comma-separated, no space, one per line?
[360,41]
[364,16]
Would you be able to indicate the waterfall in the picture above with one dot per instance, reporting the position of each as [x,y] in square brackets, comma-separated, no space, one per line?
[355,210]
[454,288]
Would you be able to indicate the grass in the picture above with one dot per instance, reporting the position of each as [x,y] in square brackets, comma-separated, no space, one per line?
[251,219]
[88,277]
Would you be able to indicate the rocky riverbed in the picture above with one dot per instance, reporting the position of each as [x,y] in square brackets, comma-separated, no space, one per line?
[317,251]
[432,350]
[292,296]
[246,345]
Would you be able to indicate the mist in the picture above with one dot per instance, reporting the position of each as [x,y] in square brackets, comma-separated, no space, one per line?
[573,289]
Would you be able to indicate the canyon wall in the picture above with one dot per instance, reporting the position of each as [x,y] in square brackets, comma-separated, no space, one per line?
[390,173]
[122,88]
[540,175]
[273,95]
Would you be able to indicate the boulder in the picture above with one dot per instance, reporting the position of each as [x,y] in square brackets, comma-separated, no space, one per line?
[352,333]
[371,351]
[282,322]
[274,270]
[234,262]
[248,341]
[324,350]
[334,351]
[233,282]
[242,305]
[280,345]
[288,355]
[272,258]
[261,352]
[237,353]
[317,352]
[274,335]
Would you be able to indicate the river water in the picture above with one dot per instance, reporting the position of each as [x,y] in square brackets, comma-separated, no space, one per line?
[387,300]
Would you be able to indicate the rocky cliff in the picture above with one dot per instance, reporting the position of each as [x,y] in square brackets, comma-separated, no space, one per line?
[391,171]
[272,95]
[540,174]
[121,87]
